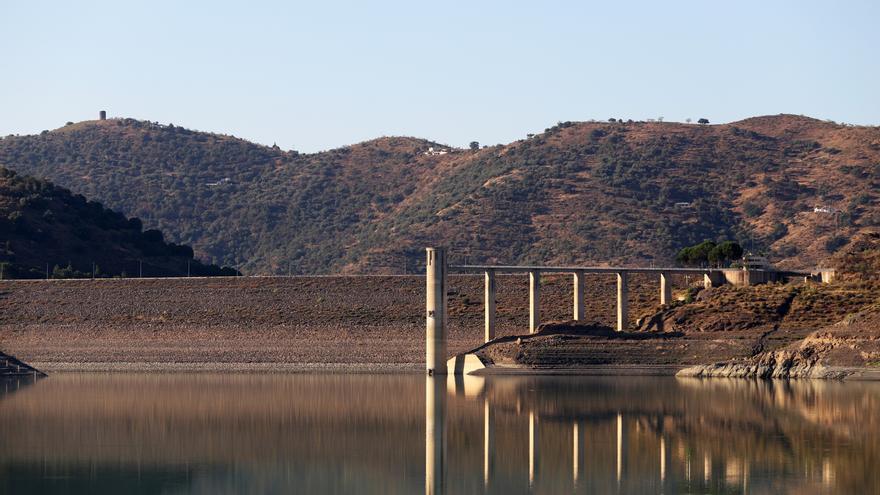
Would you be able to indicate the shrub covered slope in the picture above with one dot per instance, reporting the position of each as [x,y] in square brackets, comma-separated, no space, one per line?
[44,228]
[594,192]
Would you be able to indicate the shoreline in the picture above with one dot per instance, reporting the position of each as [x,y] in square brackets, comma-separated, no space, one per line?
[375,325]
[633,370]
[232,368]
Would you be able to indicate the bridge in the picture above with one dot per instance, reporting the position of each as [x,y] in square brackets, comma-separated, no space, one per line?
[437,269]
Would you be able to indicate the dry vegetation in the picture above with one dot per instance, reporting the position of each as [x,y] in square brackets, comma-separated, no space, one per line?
[47,231]
[592,192]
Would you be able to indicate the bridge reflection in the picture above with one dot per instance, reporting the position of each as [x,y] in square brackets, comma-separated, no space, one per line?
[388,434]
[605,441]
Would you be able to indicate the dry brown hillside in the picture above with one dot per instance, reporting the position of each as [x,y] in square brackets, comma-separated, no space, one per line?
[590,192]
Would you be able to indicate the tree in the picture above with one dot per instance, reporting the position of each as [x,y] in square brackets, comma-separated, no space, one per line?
[475,145]
[134,223]
[154,236]
[732,250]
[708,252]
[725,252]
[696,255]
[703,121]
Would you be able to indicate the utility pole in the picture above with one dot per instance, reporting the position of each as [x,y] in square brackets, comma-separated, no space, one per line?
[47,271]
[140,269]
[93,270]
[187,268]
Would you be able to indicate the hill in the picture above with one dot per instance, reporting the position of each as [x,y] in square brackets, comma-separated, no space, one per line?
[46,230]
[594,192]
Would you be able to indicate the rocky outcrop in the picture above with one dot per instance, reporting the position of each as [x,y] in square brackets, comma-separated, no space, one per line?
[777,365]
[804,360]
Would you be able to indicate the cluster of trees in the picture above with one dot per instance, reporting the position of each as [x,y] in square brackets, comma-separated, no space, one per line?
[42,225]
[709,253]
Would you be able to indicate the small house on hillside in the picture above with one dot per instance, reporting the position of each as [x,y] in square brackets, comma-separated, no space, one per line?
[432,152]
[223,181]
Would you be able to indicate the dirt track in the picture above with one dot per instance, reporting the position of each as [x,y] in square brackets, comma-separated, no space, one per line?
[299,323]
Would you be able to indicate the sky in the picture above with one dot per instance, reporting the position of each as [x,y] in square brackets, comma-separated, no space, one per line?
[321,74]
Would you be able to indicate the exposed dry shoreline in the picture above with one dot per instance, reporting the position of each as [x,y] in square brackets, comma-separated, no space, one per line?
[350,324]
[770,331]
[375,324]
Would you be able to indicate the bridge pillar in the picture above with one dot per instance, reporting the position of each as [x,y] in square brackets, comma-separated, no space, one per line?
[578,297]
[534,300]
[622,301]
[713,278]
[435,306]
[665,289]
[827,276]
[489,305]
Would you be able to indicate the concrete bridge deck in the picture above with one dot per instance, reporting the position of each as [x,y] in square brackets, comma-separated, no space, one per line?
[576,269]
[617,269]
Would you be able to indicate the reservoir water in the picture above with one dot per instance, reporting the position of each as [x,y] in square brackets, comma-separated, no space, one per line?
[408,434]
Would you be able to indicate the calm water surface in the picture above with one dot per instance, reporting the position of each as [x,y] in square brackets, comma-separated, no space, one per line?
[389,434]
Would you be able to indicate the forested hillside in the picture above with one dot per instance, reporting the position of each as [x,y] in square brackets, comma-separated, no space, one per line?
[792,187]
[47,231]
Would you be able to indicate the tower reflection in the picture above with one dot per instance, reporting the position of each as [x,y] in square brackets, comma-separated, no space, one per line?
[435,435]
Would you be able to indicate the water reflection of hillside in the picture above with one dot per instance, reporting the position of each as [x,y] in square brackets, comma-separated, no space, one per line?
[366,434]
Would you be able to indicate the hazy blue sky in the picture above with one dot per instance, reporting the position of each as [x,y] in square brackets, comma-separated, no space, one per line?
[321,74]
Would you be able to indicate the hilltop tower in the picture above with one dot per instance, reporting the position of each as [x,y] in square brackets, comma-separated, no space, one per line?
[102,115]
